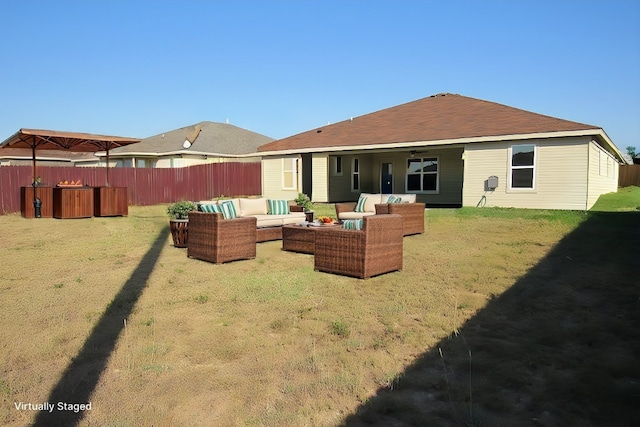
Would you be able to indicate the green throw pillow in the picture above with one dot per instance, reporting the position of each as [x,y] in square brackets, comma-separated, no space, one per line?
[207,207]
[278,207]
[211,208]
[353,224]
[228,210]
[360,204]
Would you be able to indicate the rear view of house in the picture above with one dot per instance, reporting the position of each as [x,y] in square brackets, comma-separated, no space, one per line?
[449,150]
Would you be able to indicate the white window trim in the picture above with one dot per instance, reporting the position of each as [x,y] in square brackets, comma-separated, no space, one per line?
[293,169]
[406,176]
[534,167]
[353,172]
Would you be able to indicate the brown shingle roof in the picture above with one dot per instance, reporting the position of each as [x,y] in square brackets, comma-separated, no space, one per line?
[435,118]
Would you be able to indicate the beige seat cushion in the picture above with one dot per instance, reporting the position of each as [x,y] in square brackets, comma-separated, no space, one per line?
[372,201]
[251,207]
[278,220]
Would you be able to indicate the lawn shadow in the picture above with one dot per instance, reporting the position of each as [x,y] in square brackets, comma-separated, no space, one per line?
[83,373]
[560,347]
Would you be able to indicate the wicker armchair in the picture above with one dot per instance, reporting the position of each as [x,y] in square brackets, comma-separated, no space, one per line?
[215,239]
[412,215]
[374,250]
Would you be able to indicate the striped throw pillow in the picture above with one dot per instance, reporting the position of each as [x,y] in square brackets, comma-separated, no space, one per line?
[360,204]
[352,224]
[210,208]
[394,199]
[228,210]
[278,207]
[207,207]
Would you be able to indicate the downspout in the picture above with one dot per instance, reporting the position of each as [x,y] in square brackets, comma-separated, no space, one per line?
[586,202]
[464,172]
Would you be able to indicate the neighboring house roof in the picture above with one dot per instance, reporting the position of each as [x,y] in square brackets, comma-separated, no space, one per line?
[206,138]
[438,119]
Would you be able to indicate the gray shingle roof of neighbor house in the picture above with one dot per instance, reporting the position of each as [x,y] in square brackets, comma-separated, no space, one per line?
[442,118]
[213,139]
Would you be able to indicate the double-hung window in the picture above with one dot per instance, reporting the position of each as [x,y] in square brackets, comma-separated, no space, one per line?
[422,175]
[522,166]
[289,173]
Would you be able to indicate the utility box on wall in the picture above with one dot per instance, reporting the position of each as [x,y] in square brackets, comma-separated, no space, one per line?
[492,183]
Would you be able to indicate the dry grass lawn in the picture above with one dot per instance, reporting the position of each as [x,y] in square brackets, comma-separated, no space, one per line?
[499,317]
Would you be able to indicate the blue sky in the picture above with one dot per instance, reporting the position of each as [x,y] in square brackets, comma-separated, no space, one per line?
[281,67]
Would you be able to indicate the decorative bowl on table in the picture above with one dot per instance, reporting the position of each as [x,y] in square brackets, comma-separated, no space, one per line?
[326,220]
[66,184]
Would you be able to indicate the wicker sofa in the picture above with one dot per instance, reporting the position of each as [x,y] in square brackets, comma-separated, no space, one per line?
[376,204]
[374,250]
[268,225]
[215,239]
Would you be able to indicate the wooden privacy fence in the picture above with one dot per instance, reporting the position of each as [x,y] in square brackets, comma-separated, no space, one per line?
[629,175]
[146,186]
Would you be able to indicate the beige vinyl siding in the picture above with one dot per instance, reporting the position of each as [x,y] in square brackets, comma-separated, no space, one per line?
[320,179]
[603,173]
[560,180]
[272,181]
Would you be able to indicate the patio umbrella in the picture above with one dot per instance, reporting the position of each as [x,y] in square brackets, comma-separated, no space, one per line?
[38,139]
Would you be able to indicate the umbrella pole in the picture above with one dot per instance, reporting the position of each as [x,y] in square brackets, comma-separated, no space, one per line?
[33,167]
[37,203]
[107,150]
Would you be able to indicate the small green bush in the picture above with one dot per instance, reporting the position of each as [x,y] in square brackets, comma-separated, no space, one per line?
[304,201]
[180,210]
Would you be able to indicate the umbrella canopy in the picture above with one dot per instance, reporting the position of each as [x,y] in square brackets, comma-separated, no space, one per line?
[38,139]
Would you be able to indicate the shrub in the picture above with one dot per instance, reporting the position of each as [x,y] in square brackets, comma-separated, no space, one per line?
[180,210]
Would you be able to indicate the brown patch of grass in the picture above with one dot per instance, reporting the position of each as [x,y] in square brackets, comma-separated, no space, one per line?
[272,342]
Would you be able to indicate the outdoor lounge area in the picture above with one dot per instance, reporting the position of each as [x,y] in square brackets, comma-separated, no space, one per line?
[229,230]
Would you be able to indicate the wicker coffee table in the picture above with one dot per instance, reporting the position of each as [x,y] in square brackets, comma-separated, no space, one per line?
[298,238]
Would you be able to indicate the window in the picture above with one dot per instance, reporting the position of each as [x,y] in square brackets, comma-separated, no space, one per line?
[337,166]
[522,166]
[289,173]
[145,163]
[355,175]
[422,174]
[606,164]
